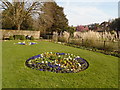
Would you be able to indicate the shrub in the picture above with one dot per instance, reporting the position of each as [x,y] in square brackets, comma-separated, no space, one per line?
[22,37]
[19,37]
[41,37]
[87,42]
[55,38]
[61,39]
[11,38]
[75,41]
[16,37]
[99,45]
[109,46]
[31,38]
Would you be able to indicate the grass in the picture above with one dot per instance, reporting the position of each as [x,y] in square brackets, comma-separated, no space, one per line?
[102,72]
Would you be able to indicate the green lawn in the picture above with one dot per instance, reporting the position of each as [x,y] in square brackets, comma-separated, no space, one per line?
[102,72]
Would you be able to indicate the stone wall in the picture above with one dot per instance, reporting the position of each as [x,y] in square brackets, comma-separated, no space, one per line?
[7,33]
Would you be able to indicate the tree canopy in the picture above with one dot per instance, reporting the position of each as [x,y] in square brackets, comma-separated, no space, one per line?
[115,25]
[52,17]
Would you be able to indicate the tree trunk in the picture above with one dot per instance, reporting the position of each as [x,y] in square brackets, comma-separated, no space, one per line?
[117,34]
[44,31]
[18,27]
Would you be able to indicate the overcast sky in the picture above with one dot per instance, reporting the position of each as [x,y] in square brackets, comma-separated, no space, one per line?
[83,12]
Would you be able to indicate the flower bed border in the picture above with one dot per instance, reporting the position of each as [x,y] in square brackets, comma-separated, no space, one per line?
[39,56]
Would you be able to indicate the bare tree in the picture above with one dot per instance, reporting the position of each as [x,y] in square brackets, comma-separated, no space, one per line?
[17,11]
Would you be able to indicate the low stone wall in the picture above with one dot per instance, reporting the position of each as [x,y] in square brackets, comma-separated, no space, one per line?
[7,33]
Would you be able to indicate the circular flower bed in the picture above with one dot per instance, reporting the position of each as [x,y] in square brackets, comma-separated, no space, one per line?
[57,62]
[24,43]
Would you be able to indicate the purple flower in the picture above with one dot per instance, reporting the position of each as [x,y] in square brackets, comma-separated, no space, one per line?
[32,43]
[79,58]
[21,43]
[60,53]
[37,56]
[41,69]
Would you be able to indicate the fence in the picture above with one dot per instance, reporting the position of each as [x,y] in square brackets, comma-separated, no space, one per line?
[8,33]
[46,37]
[103,45]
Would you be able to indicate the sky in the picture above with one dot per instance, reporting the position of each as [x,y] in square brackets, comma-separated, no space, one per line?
[84,12]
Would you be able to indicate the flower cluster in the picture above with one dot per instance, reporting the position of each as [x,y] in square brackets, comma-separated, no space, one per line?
[57,62]
[24,43]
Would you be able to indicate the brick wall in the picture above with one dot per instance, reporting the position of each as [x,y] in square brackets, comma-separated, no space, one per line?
[7,33]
